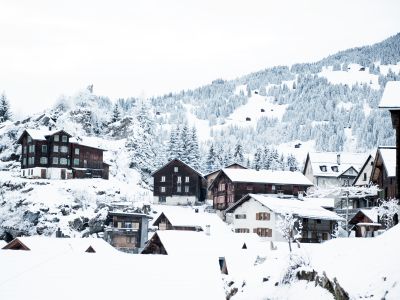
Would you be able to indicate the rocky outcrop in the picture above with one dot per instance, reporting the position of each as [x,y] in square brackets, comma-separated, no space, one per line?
[323,281]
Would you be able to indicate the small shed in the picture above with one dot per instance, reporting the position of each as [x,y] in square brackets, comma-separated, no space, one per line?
[248,119]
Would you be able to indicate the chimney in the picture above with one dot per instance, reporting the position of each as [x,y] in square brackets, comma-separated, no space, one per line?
[49,127]
[207,231]
[338,159]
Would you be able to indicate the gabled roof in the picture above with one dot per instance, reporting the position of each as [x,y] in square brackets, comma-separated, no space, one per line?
[40,134]
[391,96]
[367,161]
[371,214]
[226,167]
[129,214]
[265,176]
[178,160]
[386,157]
[330,161]
[303,209]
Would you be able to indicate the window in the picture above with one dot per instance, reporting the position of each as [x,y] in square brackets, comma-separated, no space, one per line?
[264,232]
[187,179]
[273,188]
[55,160]
[240,216]
[43,160]
[162,178]
[263,216]
[178,188]
[56,138]
[25,149]
[64,139]
[365,177]
[249,187]
[24,161]
[44,148]
[29,139]
[322,168]
[31,148]
[221,187]
[84,163]
[176,169]
[179,179]
[318,221]
[186,189]
[334,169]
[76,161]
[23,173]
[242,230]
[63,161]
[64,149]
[55,148]
[162,189]
[76,151]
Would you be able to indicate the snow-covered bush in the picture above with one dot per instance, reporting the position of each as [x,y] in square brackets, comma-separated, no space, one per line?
[387,210]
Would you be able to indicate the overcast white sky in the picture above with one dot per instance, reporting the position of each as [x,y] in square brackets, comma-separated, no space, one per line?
[149,47]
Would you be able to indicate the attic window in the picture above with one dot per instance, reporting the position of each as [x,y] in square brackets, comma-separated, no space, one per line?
[323,168]
[176,169]
[335,168]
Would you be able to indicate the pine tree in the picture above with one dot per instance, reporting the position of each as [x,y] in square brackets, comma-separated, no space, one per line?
[116,114]
[238,154]
[257,162]
[193,153]
[172,148]
[211,159]
[5,113]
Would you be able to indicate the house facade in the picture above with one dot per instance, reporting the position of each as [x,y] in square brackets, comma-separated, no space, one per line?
[384,172]
[331,169]
[232,184]
[365,223]
[364,175]
[260,214]
[127,232]
[176,183]
[56,155]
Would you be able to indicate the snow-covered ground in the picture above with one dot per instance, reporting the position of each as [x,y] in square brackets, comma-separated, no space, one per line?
[352,76]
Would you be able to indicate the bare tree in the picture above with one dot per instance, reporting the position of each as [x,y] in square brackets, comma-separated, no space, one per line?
[290,227]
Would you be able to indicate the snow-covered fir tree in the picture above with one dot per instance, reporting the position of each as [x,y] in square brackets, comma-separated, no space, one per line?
[5,113]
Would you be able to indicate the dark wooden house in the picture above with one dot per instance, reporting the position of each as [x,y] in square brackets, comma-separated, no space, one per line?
[384,172]
[56,155]
[211,176]
[365,223]
[232,184]
[391,101]
[126,231]
[177,183]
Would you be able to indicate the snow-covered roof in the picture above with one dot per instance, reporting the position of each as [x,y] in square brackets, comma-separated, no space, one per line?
[267,176]
[187,217]
[39,135]
[2,243]
[389,160]
[304,209]
[176,159]
[61,245]
[391,96]
[334,165]
[323,202]
[372,214]
[31,275]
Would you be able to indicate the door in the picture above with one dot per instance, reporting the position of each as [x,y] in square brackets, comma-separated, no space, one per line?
[62,173]
[43,173]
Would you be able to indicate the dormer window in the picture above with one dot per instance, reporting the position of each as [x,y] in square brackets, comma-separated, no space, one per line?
[335,168]
[176,169]
[323,168]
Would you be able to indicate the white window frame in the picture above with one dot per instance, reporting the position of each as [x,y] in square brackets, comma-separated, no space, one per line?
[76,151]
[63,161]
[55,148]
[162,189]
[162,179]
[186,189]
[179,179]
[176,169]
[64,149]
[55,161]
[179,189]
[56,138]
[76,161]
[187,178]
[43,160]
[64,139]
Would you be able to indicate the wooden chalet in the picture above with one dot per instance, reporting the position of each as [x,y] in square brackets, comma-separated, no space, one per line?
[176,183]
[230,185]
[391,101]
[384,172]
[56,155]
[365,223]
[126,231]
[211,176]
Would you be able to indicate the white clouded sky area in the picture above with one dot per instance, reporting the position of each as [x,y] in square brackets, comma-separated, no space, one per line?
[149,47]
